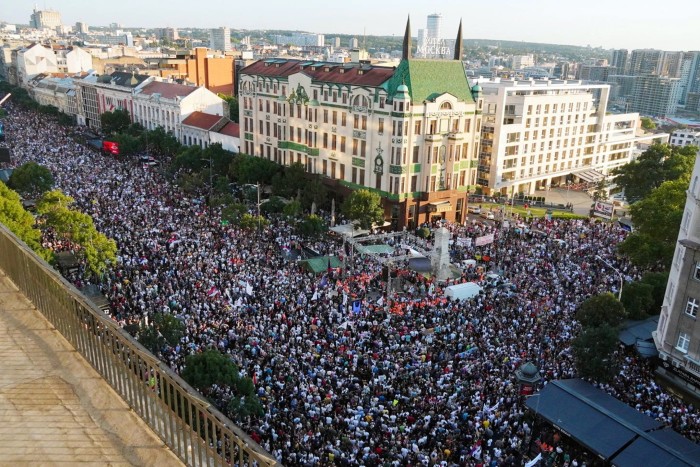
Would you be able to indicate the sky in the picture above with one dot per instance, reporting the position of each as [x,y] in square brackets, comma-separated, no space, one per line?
[630,24]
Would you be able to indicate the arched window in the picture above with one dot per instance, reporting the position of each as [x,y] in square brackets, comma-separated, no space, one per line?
[445,106]
[360,101]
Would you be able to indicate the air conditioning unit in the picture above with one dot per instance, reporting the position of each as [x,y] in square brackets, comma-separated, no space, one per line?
[675,363]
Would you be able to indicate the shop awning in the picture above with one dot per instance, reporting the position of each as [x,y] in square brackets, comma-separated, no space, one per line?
[440,206]
[589,175]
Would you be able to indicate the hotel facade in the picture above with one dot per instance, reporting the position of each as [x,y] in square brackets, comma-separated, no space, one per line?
[410,133]
[422,136]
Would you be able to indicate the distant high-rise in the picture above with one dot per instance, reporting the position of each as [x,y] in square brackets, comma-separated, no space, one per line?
[645,61]
[41,19]
[353,43]
[336,42]
[619,61]
[81,28]
[690,75]
[431,43]
[655,95]
[169,34]
[220,39]
[434,28]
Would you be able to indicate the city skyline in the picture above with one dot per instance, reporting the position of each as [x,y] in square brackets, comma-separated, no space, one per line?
[611,25]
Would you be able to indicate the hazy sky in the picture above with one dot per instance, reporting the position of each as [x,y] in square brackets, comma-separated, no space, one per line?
[671,25]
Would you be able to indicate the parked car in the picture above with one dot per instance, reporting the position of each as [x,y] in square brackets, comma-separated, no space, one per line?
[487,215]
[475,209]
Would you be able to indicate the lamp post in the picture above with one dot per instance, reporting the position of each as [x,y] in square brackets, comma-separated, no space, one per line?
[622,278]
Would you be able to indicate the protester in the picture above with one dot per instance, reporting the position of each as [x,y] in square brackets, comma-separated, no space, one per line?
[409,378]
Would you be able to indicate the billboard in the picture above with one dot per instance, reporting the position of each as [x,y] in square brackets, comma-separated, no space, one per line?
[602,209]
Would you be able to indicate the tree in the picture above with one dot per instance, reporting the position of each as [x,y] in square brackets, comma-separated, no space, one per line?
[20,222]
[116,121]
[314,192]
[638,300]
[603,309]
[274,205]
[658,281]
[657,220]
[653,167]
[96,248]
[189,158]
[31,179]
[250,222]
[593,352]
[648,123]
[250,169]
[210,368]
[128,144]
[292,209]
[232,102]
[159,141]
[164,330]
[364,207]
[312,226]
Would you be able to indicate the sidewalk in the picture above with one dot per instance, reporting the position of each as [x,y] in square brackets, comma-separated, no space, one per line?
[55,409]
[580,200]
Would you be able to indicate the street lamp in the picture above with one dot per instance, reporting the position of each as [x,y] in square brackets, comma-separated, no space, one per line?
[622,279]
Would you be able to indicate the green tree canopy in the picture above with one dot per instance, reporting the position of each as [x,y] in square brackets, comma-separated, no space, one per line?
[116,121]
[656,165]
[290,182]
[658,281]
[648,123]
[314,192]
[638,299]
[159,141]
[657,220]
[128,144]
[312,226]
[164,330]
[20,222]
[593,352]
[31,179]
[98,250]
[364,207]
[251,169]
[599,310]
[211,367]
[189,158]
[232,102]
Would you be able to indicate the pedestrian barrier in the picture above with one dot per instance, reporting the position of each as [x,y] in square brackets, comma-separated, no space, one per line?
[198,433]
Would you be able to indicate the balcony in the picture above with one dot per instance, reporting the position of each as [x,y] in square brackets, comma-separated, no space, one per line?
[435,137]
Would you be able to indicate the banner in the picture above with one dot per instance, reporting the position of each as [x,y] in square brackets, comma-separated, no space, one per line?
[602,209]
[485,240]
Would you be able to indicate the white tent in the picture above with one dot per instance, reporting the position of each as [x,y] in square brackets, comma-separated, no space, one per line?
[348,230]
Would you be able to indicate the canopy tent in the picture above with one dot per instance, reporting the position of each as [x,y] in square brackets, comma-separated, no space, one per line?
[607,427]
[321,263]
[348,230]
[589,175]
[374,249]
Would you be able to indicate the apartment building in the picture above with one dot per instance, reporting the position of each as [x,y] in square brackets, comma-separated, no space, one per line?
[538,133]
[410,133]
[677,336]
[220,39]
[655,95]
[685,137]
[161,104]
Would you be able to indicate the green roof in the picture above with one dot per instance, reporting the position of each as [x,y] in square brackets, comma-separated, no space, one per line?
[428,78]
[320,263]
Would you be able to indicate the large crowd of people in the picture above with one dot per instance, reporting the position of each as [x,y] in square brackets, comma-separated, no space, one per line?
[407,378]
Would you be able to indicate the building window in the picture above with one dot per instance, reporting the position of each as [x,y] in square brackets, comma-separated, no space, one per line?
[691,308]
[381,126]
[696,275]
[683,342]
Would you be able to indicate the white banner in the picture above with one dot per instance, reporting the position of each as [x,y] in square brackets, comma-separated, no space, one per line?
[602,209]
[485,240]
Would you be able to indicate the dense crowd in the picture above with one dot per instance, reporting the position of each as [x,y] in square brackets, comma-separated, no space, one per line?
[408,379]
